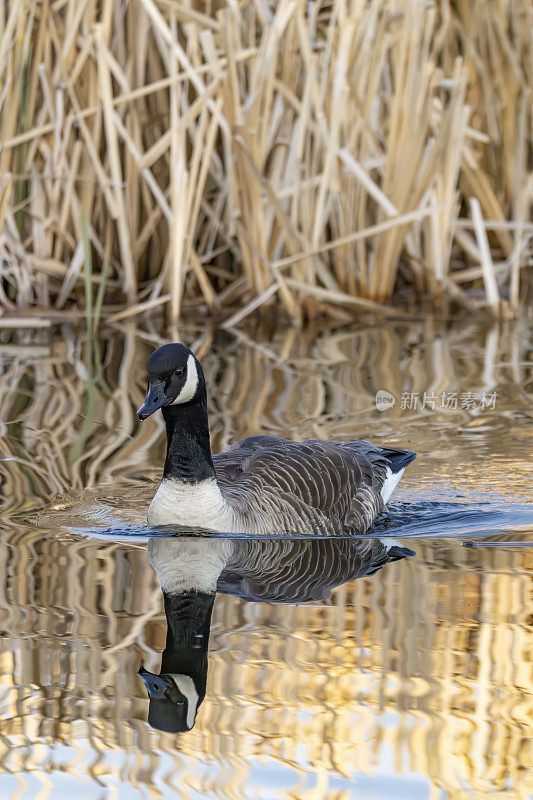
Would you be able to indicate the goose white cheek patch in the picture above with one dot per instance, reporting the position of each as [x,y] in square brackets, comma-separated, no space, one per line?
[191,384]
[188,689]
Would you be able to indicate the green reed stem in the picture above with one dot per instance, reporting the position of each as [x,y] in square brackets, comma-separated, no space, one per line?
[88,271]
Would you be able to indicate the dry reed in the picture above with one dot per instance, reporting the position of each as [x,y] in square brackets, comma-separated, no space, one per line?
[235,156]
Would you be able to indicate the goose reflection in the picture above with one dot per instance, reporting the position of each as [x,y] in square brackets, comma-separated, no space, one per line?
[192,570]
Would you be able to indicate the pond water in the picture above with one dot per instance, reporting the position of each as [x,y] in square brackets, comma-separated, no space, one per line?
[326,676]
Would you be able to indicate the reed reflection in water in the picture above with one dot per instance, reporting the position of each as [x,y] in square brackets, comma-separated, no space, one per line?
[414,682]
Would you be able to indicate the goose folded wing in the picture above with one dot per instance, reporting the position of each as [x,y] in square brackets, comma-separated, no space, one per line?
[328,483]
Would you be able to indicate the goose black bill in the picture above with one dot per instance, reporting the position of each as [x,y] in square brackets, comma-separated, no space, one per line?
[155,399]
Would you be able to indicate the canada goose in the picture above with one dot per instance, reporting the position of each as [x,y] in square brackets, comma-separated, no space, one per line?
[192,570]
[263,483]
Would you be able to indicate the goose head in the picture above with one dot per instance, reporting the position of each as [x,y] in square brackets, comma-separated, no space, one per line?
[173,701]
[175,377]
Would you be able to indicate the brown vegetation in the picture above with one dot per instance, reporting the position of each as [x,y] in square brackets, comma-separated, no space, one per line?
[235,155]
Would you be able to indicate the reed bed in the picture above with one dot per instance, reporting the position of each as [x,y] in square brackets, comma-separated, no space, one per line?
[311,157]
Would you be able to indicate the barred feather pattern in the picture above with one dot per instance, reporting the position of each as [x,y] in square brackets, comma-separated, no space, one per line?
[277,571]
[274,484]
[274,571]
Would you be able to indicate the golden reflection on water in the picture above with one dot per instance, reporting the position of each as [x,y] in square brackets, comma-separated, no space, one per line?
[413,683]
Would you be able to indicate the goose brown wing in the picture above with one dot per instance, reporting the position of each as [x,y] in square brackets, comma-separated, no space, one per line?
[333,487]
[300,571]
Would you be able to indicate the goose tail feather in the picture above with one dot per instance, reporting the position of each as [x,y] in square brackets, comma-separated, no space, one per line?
[398,459]
[398,551]
[397,462]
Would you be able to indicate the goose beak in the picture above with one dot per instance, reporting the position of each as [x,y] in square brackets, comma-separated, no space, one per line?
[155,684]
[155,398]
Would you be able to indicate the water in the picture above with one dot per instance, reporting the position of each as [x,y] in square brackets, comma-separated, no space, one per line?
[414,682]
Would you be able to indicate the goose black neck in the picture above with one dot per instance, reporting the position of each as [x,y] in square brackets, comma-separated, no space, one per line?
[189,621]
[188,448]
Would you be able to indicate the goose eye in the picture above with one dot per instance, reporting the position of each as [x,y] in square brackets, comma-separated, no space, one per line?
[179,371]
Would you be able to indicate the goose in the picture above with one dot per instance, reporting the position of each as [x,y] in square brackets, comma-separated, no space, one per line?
[192,571]
[262,484]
